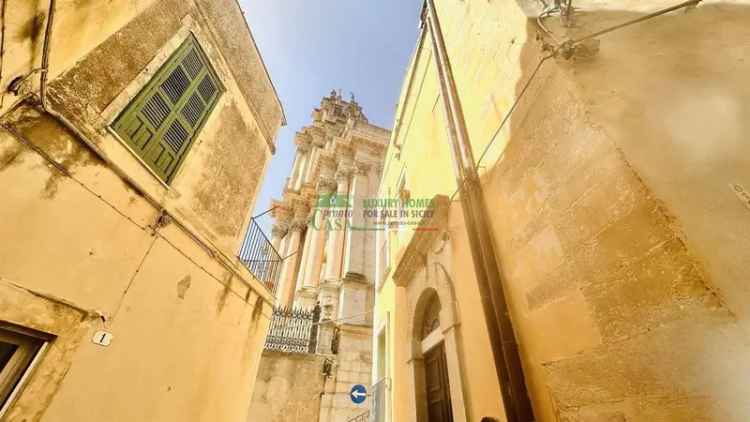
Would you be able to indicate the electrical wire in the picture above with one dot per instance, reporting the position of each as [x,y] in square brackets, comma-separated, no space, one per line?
[568,44]
[507,115]
[682,5]
[350,317]
[513,107]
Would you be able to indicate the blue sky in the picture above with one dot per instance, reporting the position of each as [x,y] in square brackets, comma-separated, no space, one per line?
[313,46]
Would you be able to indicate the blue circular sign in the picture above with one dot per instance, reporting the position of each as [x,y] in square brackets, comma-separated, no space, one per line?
[358,394]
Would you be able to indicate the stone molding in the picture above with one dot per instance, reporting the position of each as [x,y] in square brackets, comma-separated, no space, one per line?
[362,168]
[414,255]
[343,173]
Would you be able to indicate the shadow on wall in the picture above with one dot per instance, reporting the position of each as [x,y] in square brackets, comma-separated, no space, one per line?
[613,190]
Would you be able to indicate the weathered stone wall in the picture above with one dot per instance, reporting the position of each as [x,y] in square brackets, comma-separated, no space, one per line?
[91,82]
[82,250]
[606,203]
[623,246]
[353,366]
[147,25]
[288,388]
[602,285]
[80,247]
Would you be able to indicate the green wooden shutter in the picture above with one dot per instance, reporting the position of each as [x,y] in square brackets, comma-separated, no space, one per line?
[162,121]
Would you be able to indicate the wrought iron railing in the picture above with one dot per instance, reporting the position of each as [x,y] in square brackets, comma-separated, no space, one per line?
[293,330]
[363,417]
[379,397]
[260,257]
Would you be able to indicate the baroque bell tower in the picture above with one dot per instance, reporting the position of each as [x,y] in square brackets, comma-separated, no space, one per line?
[319,228]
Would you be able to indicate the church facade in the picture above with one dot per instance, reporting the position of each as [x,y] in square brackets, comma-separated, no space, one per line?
[326,276]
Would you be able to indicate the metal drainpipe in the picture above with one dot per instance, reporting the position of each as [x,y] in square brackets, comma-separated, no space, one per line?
[45,53]
[481,239]
[2,48]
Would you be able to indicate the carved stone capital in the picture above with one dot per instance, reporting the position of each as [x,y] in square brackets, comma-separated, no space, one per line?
[301,211]
[343,173]
[326,186]
[298,224]
[304,148]
[363,168]
[280,229]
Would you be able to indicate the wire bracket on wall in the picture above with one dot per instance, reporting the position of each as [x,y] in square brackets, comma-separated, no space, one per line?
[588,45]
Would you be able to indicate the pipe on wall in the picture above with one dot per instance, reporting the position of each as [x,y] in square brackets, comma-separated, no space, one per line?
[507,359]
[45,53]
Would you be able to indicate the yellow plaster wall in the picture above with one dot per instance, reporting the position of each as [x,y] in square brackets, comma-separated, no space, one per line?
[80,250]
[622,244]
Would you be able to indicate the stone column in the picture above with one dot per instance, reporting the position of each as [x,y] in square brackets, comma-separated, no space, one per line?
[278,232]
[354,260]
[352,292]
[329,287]
[295,167]
[287,277]
[283,245]
[304,256]
[304,149]
[334,252]
[307,178]
[313,262]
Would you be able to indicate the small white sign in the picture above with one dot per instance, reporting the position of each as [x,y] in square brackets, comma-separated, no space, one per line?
[742,193]
[102,338]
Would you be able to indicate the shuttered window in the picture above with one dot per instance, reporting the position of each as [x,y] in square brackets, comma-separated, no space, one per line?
[162,121]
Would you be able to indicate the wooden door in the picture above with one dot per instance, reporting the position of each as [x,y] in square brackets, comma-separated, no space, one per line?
[438,391]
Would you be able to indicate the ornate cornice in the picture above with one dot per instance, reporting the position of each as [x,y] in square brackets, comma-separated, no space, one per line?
[414,255]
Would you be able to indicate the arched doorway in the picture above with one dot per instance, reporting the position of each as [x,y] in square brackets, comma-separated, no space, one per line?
[435,384]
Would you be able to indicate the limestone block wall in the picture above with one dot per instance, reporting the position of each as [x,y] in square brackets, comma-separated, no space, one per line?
[611,191]
[621,239]
[611,308]
[353,366]
[288,388]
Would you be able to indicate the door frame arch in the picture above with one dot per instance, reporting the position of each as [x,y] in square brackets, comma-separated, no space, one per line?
[433,282]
